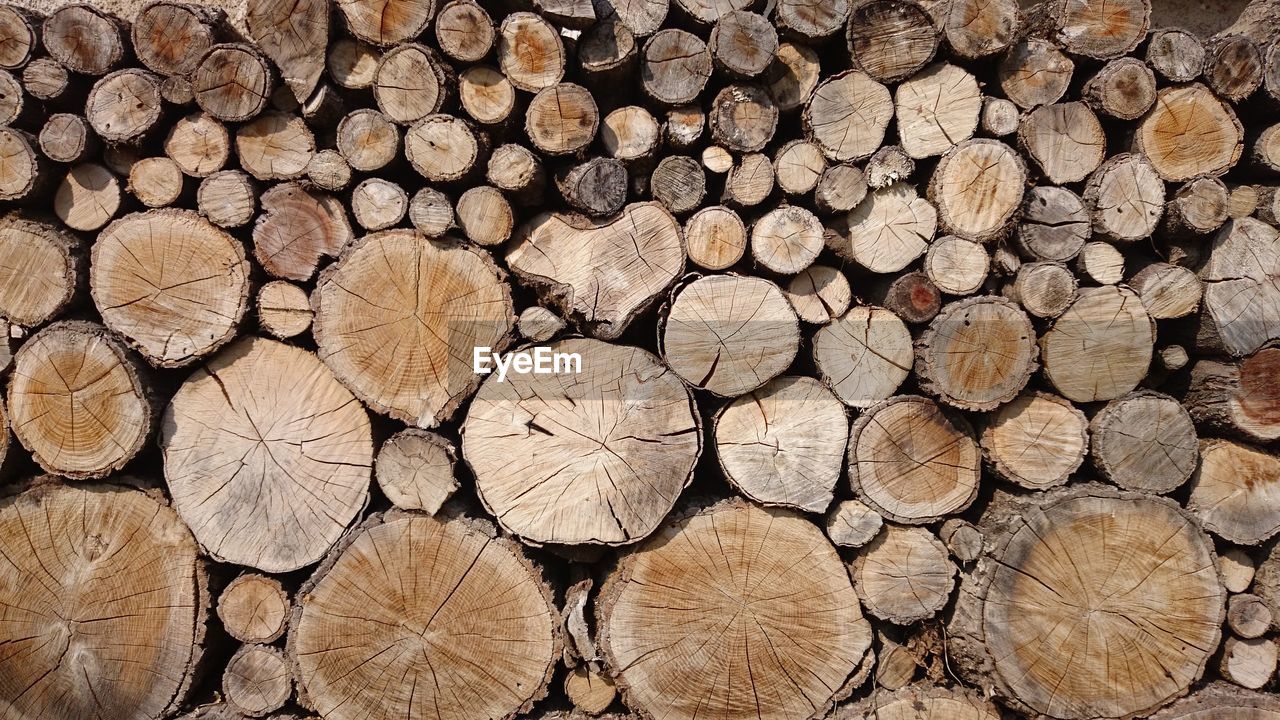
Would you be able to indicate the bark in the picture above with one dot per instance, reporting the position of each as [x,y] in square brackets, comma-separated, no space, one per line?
[1238,398]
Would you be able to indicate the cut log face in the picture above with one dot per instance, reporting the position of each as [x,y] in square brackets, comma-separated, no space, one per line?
[787,240]
[936,109]
[1126,198]
[429,372]
[77,400]
[848,115]
[716,237]
[275,146]
[596,467]
[1242,399]
[86,199]
[20,38]
[888,230]
[1036,441]
[254,608]
[415,470]
[852,524]
[1034,72]
[976,29]
[794,73]
[143,636]
[275,503]
[1190,132]
[1167,291]
[227,198]
[913,462]
[199,144]
[977,353]
[45,79]
[904,575]
[1124,89]
[530,52]
[387,22]
[284,309]
[819,294]
[232,82]
[1065,140]
[602,273]
[294,36]
[42,268]
[1126,559]
[124,105]
[743,118]
[1240,290]
[464,31]
[728,334]
[1236,491]
[957,266]
[296,229]
[1101,29]
[743,43]
[1177,55]
[864,355]
[1101,347]
[368,140]
[891,39]
[811,21]
[171,283]
[442,148]
[921,703]
[493,635]
[83,39]
[978,187]
[675,67]
[678,594]
[257,680]
[1144,441]
[784,443]
[1222,701]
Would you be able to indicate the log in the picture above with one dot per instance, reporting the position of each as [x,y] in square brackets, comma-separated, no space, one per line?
[275,146]
[199,144]
[1100,348]
[156,181]
[298,227]
[888,165]
[104,533]
[379,204]
[530,52]
[1174,53]
[515,170]
[464,31]
[1232,67]
[505,597]
[598,187]
[977,353]
[750,182]
[83,39]
[1173,357]
[630,133]
[922,703]
[352,64]
[284,309]
[1249,663]
[957,266]
[1237,398]
[679,183]
[1167,291]
[783,444]
[641,18]
[743,118]
[1145,442]
[66,138]
[798,166]
[436,374]
[1064,139]
[977,188]
[1229,491]
[601,274]
[847,116]
[999,117]
[484,216]
[443,148]
[891,39]
[257,680]
[1197,208]
[1189,132]
[1219,701]
[607,52]
[414,469]
[227,198]
[794,72]
[254,608]
[538,324]
[641,629]
[1043,289]
[913,462]
[589,691]
[169,38]
[976,29]
[1101,262]
[742,43]
[786,240]
[1124,89]
[810,21]
[386,24]
[819,294]
[76,365]
[1125,196]
[170,283]
[1101,546]
[936,109]
[674,67]
[852,524]
[1238,286]
[1034,72]
[715,237]
[728,334]
[887,231]
[840,189]
[294,36]
[410,83]
[431,212]
[963,539]
[45,79]
[1248,616]
[1100,29]
[43,270]
[1036,441]
[18,28]
[912,297]
[863,355]
[904,575]
[1242,202]
[368,140]
[317,460]
[86,199]
[14,109]
[562,119]
[1237,570]
[23,173]
[232,82]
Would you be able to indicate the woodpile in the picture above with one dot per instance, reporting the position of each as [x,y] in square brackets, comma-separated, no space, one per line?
[675,359]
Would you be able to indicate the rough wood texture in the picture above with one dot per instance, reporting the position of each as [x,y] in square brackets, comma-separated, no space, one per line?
[1230,491]
[414,469]
[1037,441]
[257,680]
[977,353]
[43,268]
[863,355]
[1100,348]
[1238,398]
[254,608]
[1189,132]
[1144,441]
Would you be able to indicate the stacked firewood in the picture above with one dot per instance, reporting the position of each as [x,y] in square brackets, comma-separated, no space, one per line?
[909,359]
